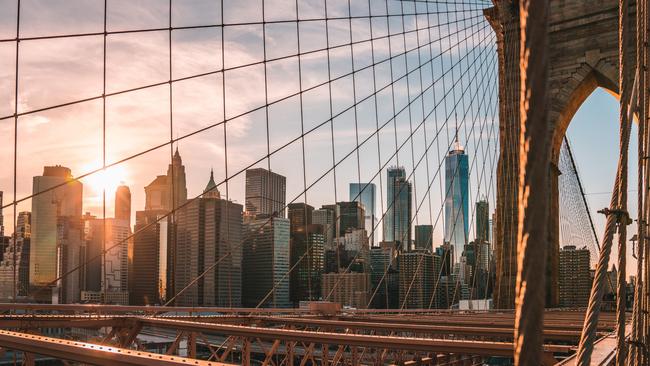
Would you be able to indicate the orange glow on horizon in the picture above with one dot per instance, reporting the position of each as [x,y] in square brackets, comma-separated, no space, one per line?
[108,179]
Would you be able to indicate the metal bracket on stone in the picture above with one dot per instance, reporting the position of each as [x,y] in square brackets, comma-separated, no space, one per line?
[622,216]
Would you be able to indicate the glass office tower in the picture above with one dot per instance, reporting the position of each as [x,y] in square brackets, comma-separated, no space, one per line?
[365,193]
[397,221]
[456,200]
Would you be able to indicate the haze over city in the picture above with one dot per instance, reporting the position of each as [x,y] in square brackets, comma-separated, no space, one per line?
[324,181]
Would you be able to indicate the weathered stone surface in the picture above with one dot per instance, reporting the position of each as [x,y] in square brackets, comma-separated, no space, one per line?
[583,46]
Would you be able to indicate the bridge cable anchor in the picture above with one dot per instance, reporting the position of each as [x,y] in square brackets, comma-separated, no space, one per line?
[622,216]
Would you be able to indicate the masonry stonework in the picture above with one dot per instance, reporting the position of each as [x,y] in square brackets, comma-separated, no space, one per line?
[583,47]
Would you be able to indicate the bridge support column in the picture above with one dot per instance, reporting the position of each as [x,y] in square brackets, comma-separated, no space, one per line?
[553,250]
[504,19]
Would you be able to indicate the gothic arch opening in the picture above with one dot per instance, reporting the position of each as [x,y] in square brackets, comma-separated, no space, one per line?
[571,96]
[593,132]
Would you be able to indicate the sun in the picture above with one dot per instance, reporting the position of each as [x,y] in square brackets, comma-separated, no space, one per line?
[107,179]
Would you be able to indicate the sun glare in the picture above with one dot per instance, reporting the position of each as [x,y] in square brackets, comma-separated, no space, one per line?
[108,179]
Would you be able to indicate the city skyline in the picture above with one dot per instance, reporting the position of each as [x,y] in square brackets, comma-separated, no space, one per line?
[137,122]
[122,196]
[324,181]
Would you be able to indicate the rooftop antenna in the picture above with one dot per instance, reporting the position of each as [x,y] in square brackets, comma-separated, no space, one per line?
[457,145]
[456,130]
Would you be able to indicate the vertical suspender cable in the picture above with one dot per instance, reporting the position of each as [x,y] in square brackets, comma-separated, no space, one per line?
[595,299]
[14,235]
[621,349]
[644,107]
[534,157]
[635,355]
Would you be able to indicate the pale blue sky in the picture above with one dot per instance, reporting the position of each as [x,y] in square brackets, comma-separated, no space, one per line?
[594,136]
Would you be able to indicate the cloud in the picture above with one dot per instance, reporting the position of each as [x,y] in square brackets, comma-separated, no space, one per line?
[67,69]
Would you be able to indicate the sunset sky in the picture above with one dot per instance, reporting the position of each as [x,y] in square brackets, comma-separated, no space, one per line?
[55,71]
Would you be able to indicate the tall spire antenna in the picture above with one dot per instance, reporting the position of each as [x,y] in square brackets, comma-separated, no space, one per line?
[457,145]
[456,130]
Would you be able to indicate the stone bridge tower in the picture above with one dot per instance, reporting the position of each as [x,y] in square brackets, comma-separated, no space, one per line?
[583,46]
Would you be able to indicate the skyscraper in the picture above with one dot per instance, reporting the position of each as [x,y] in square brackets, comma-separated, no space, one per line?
[456,200]
[266,262]
[300,215]
[24,224]
[20,242]
[365,193]
[159,193]
[123,204]
[574,278]
[265,192]
[416,279]
[107,274]
[482,221]
[326,217]
[209,231]
[307,260]
[384,277]
[424,237]
[348,289]
[69,255]
[151,269]
[154,247]
[56,223]
[2,226]
[176,184]
[397,221]
[156,194]
[351,216]
[4,240]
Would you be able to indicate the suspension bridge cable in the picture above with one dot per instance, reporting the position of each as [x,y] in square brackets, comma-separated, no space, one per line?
[436,173]
[213,125]
[615,218]
[231,177]
[410,220]
[15,160]
[381,219]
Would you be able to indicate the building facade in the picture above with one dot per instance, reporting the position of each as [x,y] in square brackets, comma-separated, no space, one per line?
[397,220]
[326,217]
[456,200]
[107,273]
[351,216]
[152,259]
[209,247]
[266,192]
[424,237]
[300,216]
[20,243]
[123,204]
[483,229]
[575,281]
[366,194]
[266,263]
[169,191]
[417,277]
[308,262]
[56,237]
[2,220]
[348,289]
[384,276]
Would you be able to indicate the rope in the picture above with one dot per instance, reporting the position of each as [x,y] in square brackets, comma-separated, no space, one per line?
[534,157]
[642,65]
[621,349]
[635,356]
[588,336]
